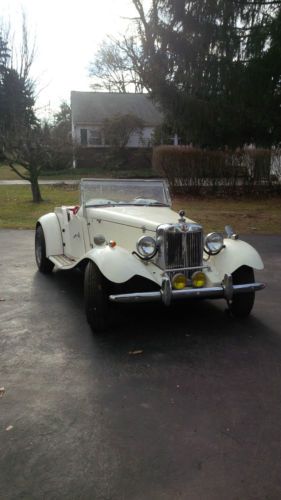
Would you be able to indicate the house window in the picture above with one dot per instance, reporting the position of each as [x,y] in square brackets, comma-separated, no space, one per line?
[95,137]
[83,137]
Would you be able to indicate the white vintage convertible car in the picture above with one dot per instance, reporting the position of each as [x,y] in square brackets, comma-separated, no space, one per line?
[134,248]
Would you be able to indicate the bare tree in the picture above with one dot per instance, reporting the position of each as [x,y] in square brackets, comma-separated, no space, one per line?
[35,149]
[20,134]
[27,150]
[112,68]
[119,128]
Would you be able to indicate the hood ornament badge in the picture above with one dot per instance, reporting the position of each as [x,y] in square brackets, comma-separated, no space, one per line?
[182,214]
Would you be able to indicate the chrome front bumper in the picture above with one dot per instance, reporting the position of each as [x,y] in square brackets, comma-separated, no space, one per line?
[166,294]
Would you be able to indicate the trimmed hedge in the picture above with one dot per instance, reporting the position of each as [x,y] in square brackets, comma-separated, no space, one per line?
[191,170]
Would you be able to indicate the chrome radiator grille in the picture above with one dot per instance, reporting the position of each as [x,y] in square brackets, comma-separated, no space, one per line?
[181,246]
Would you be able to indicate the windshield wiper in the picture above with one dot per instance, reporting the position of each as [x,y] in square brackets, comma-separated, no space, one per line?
[157,204]
[128,204]
[101,205]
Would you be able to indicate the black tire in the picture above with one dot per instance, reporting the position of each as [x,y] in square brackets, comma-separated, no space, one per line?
[96,292]
[44,264]
[242,304]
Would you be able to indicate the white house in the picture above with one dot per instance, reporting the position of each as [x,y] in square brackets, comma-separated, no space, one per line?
[90,109]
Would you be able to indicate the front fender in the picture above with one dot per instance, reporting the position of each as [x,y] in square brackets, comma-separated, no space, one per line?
[236,253]
[118,265]
[52,233]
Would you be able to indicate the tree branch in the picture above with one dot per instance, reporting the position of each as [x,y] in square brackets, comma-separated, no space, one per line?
[18,173]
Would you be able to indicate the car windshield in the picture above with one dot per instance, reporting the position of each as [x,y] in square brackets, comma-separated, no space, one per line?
[118,192]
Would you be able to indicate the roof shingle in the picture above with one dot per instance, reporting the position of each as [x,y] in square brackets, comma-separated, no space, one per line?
[95,107]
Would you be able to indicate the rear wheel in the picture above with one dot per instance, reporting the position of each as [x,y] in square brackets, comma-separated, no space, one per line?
[44,264]
[242,304]
[96,292]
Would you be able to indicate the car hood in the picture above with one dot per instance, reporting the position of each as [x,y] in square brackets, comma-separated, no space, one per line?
[136,216]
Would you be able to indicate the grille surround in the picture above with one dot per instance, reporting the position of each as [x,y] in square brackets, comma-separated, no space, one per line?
[180,246]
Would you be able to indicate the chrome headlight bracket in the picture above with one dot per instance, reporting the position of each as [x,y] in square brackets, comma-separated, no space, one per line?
[166,291]
[230,233]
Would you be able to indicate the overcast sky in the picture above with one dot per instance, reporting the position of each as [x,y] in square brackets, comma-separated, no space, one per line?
[67,34]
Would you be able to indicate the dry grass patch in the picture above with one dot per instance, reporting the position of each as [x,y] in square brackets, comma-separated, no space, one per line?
[7,174]
[245,215]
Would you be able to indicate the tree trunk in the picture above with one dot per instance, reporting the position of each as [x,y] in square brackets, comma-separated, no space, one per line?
[36,194]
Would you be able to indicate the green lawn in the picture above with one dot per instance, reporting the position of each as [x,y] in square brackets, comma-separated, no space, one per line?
[246,216]
[18,211]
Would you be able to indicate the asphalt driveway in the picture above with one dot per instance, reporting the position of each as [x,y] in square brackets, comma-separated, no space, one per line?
[180,403]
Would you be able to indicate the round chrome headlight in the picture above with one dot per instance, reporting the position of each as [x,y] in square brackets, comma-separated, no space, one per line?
[214,242]
[146,246]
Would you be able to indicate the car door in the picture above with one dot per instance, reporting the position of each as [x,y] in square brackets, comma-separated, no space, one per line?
[74,246]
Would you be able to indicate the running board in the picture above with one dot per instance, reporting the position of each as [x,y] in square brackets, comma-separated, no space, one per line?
[61,261]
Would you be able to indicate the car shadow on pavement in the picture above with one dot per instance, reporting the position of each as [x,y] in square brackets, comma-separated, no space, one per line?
[139,328]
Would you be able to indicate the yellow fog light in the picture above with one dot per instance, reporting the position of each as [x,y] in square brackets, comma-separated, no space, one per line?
[179,281]
[198,279]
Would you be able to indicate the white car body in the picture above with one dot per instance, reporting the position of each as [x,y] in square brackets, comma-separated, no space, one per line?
[107,236]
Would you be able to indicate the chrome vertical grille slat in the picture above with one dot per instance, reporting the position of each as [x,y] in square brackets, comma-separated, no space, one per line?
[181,246]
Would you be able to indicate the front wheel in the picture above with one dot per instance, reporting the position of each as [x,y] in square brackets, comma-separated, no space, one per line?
[242,304]
[44,264]
[96,298]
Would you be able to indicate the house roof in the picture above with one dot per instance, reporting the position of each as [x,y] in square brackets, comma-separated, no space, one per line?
[95,107]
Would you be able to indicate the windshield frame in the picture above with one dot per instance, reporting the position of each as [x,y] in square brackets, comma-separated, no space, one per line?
[85,187]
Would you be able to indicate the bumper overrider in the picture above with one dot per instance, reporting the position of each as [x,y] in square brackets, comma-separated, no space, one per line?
[166,294]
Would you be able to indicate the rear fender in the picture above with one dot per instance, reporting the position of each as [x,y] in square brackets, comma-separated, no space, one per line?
[52,233]
[236,253]
[118,265]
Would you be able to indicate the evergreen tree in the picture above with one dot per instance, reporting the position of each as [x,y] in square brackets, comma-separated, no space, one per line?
[214,66]
[16,91]
[62,122]
[17,102]
[4,58]
[4,54]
